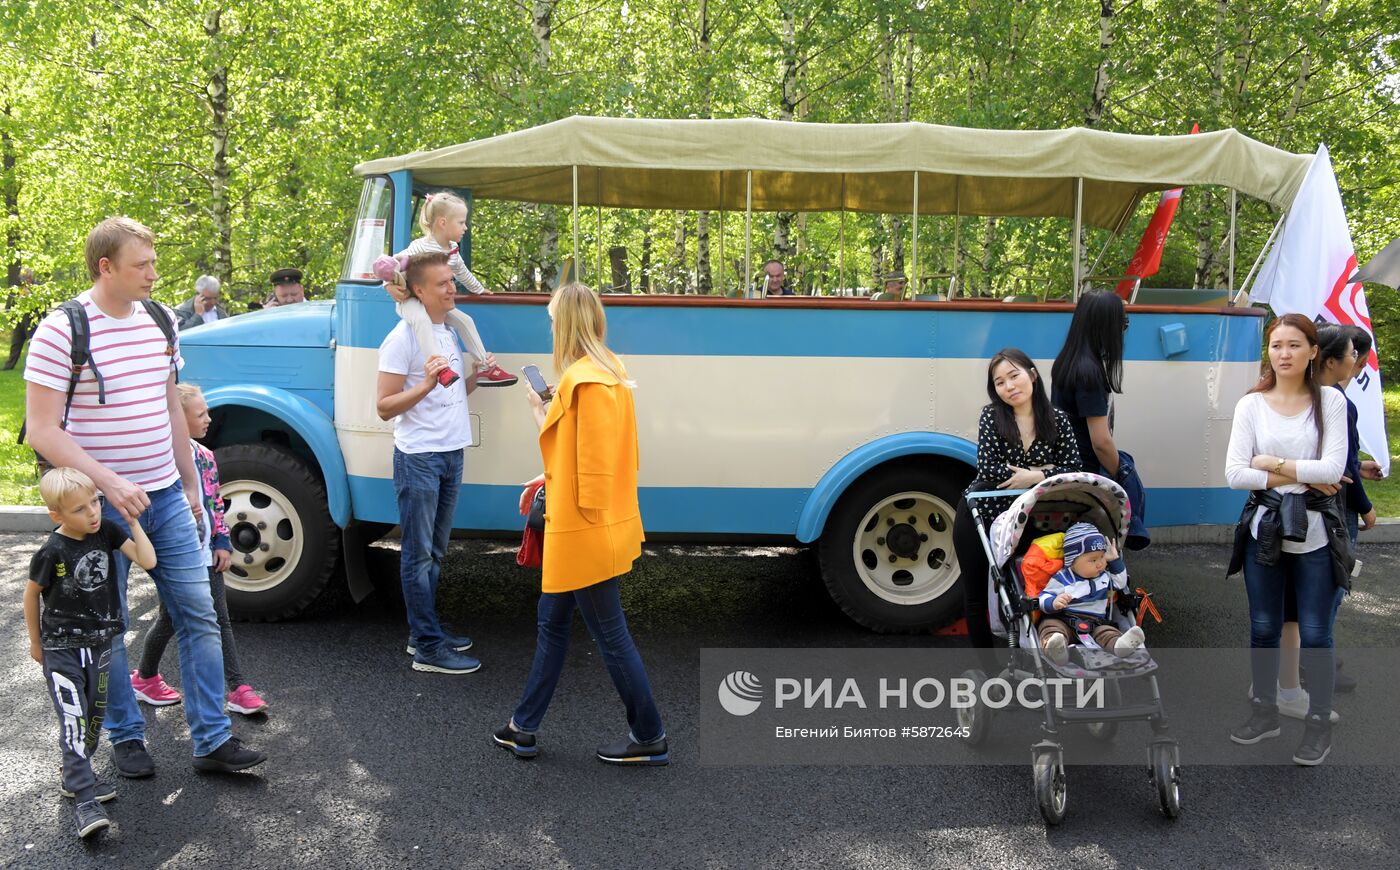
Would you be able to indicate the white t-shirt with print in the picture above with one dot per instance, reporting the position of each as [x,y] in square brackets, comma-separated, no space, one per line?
[440,421]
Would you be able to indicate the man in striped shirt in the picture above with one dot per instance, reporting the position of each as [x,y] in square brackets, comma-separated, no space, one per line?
[126,445]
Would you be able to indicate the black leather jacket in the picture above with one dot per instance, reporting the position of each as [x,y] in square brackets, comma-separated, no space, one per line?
[1286,519]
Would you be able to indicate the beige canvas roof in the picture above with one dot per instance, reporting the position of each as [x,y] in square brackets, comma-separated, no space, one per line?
[701,164]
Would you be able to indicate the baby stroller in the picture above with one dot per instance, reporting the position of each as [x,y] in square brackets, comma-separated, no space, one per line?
[1054,506]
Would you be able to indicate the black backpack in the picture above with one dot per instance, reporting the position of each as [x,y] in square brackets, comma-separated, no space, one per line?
[81,355]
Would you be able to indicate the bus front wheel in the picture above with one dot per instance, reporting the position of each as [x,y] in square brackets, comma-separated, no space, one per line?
[887,552]
[285,545]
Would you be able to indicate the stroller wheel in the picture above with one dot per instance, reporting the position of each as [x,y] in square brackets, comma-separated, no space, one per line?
[1050,786]
[975,722]
[1166,775]
[1113,697]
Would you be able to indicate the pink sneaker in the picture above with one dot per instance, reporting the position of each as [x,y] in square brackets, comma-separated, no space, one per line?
[244,700]
[495,376]
[153,691]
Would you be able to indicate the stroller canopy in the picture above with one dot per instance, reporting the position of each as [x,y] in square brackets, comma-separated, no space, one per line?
[1057,503]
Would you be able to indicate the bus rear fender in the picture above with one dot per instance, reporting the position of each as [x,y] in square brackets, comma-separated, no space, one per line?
[840,476]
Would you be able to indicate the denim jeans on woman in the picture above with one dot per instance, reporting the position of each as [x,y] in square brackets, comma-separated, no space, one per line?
[182,581]
[427,486]
[1318,598]
[601,607]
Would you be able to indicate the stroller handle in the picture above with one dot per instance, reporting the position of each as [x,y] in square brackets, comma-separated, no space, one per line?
[994,493]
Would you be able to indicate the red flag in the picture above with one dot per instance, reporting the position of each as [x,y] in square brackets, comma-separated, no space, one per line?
[1148,257]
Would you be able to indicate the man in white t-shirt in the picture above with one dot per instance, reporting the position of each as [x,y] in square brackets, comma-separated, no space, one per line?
[119,431]
[431,429]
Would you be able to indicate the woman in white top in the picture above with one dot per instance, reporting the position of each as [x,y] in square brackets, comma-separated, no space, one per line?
[1288,445]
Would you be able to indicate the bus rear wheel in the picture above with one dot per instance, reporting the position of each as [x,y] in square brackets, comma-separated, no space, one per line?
[887,552]
[285,545]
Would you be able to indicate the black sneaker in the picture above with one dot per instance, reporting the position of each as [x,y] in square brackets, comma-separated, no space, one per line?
[520,744]
[1317,742]
[232,756]
[627,751]
[1262,724]
[91,818]
[101,791]
[132,759]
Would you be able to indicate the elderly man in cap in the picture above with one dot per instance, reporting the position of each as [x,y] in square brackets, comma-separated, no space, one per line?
[286,288]
[895,282]
[203,307]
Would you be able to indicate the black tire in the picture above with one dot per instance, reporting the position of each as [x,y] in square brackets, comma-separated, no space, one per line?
[977,719]
[1051,789]
[285,546]
[1166,775]
[855,560]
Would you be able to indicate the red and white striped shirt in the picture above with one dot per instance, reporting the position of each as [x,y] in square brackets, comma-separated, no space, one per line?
[131,433]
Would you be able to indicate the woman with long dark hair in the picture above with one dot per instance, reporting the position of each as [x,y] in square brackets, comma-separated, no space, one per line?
[1088,370]
[1288,446]
[1021,440]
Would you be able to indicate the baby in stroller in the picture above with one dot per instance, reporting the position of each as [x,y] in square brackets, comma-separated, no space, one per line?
[1080,590]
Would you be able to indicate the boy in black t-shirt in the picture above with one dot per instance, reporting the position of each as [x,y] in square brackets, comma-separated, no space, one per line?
[73,574]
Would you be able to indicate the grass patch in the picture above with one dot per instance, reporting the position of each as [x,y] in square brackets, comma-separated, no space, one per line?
[18,484]
[1385,494]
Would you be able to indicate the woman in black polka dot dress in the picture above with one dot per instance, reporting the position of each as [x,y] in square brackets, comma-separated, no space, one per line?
[1021,440]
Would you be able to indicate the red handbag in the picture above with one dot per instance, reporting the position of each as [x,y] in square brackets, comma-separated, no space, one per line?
[531,552]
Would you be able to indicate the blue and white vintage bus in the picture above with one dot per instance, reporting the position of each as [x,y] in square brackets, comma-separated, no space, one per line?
[842,423]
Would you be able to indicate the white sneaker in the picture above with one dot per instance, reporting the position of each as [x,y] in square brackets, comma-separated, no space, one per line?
[1056,650]
[1128,642]
[1298,708]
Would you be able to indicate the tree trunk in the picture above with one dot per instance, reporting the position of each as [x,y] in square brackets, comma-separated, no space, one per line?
[617,260]
[542,28]
[704,281]
[14,269]
[787,107]
[646,252]
[679,279]
[219,212]
[1098,97]
[989,241]
[1205,227]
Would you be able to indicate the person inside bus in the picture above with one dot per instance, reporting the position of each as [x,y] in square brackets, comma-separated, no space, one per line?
[775,279]
[895,282]
[1021,440]
[592,530]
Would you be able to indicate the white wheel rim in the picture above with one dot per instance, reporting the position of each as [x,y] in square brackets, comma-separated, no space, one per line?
[906,522]
[266,532]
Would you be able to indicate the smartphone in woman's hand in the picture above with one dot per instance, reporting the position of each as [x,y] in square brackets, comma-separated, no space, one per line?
[537,383]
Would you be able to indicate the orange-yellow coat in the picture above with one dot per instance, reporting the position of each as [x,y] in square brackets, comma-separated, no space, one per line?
[592,527]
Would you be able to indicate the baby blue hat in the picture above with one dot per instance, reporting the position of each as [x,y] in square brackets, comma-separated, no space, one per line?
[1083,538]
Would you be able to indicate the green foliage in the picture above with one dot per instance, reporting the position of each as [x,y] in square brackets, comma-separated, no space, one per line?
[119,107]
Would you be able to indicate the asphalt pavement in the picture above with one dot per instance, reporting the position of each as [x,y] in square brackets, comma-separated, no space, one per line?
[374,765]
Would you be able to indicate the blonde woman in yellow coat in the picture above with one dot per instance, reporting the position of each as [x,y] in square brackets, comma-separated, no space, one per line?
[592,531]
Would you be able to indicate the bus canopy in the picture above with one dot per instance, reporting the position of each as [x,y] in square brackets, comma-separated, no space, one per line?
[734,164]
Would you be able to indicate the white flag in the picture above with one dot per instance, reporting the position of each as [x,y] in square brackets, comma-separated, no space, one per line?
[1309,272]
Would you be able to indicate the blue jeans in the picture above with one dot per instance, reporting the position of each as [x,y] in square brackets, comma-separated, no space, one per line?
[427,486]
[1318,598]
[601,606]
[1353,520]
[182,581]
